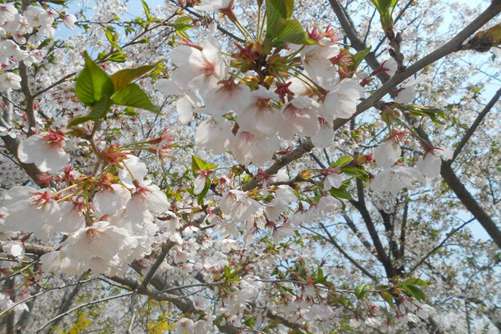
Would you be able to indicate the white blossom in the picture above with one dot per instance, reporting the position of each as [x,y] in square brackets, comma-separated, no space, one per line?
[46,151]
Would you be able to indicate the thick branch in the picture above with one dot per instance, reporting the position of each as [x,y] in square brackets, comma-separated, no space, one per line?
[11,145]
[475,125]
[453,45]
[25,87]
[356,231]
[297,153]
[470,203]
[371,228]
[149,276]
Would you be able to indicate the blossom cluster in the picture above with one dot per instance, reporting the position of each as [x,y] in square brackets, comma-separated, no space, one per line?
[103,234]
[252,120]
[15,47]
[393,176]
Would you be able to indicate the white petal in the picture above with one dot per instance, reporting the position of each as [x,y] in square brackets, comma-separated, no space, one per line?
[134,169]
[387,154]
[111,201]
[46,157]
[184,110]
[199,184]
[156,200]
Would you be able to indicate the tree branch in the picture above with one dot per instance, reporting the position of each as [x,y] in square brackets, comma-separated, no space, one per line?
[440,245]
[334,243]
[66,302]
[78,307]
[356,231]
[371,228]
[475,125]
[470,203]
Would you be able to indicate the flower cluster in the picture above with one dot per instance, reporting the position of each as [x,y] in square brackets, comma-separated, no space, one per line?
[108,222]
[250,113]
[395,176]
[14,27]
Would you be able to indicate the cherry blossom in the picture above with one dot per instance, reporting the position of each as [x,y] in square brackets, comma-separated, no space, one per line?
[133,170]
[394,179]
[341,102]
[325,135]
[259,116]
[9,81]
[14,249]
[238,206]
[215,5]
[214,135]
[250,147]
[334,179]
[111,200]
[94,247]
[284,196]
[299,116]
[270,189]
[317,64]
[32,211]
[45,150]
[199,67]
[387,153]
[228,96]
[430,165]
[7,303]
[69,21]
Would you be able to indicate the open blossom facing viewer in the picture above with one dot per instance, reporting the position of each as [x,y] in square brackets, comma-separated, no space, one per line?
[32,211]
[45,150]
[199,67]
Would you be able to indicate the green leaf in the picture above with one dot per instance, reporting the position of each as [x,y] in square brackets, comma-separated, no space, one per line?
[436,115]
[98,111]
[340,193]
[183,24]
[123,78]
[362,291]
[277,12]
[417,281]
[131,112]
[414,291]
[359,57]
[205,191]
[117,57]
[284,8]
[147,11]
[342,161]
[111,36]
[292,32]
[198,164]
[93,84]
[320,277]
[79,120]
[385,5]
[133,96]
[358,172]
[385,9]
[386,296]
